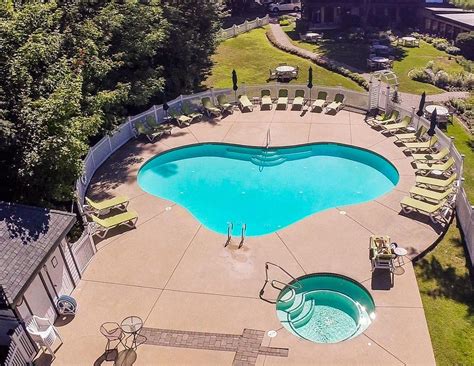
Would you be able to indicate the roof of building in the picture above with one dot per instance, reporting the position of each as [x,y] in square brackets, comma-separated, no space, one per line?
[448,10]
[466,19]
[27,236]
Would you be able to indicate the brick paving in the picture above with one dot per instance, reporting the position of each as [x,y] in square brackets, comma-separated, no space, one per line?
[246,346]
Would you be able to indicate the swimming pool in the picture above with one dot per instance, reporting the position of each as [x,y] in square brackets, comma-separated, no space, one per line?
[265,189]
[325,308]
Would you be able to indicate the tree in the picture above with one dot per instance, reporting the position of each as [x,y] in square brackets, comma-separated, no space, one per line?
[465,42]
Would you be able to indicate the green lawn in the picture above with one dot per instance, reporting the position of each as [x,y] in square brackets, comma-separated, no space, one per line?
[252,56]
[444,283]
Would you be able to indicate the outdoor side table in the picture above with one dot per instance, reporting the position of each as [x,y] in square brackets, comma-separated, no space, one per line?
[401,253]
[256,100]
[132,325]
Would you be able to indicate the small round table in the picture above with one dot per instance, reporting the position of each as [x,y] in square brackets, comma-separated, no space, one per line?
[440,110]
[132,325]
[311,36]
[409,41]
[401,253]
[285,69]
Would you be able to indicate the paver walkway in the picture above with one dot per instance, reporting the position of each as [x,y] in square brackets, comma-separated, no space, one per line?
[246,346]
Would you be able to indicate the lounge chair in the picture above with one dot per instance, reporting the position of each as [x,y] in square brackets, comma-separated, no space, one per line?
[282,98]
[299,99]
[434,211]
[424,145]
[320,102]
[337,105]
[428,194]
[142,129]
[224,105]
[384,119]
[181,119]
[120,202]
[393,127]
[210,109]
[159,127]
[191,113]
[433,158]
[380,253]
[412,136]
[245,103]
[435,183]
[102,226]
[426,168]
[266,99]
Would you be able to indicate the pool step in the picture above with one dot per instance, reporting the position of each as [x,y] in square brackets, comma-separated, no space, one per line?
[286,300]
[271,161]
[304,317]
[297,307]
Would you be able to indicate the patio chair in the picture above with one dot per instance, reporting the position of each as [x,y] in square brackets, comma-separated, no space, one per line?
[412,136]
[337,105]
[428,194]
[224,105]
[151,135]
[209,108]
[295,72]
[433,158]
[120,202]
[426,168]
[435,183]
[320,102]
[436,212]
[273,75]
[180,119]
[380,253]
[102,226]
[387,119]
[191,113]
[393,127]
[266,99]
[282,98]
[422,146]
[299,99]
[42,332]
[245,103]
[159,127]
[113,333]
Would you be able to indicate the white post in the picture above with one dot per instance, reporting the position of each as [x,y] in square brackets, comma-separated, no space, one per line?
[412,114]
[233,31]
[155,112]
[246,25]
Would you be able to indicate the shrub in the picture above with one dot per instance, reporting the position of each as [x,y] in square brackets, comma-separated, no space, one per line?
[442,79]
[452,50]
[459,105]
[430,65]
[420,74]
[284,23]
[465,41]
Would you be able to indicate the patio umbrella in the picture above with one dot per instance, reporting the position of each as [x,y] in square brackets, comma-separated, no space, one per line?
[310,81]
[234,82]
[421,108]
[165,105]
[433,123]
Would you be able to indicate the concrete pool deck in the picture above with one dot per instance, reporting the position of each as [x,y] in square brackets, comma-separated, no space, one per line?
[178,277]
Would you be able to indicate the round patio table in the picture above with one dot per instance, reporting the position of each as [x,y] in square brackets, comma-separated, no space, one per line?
[379,60]
[312,36]
[285,68]
[132,325]
[409,41]
[441,111]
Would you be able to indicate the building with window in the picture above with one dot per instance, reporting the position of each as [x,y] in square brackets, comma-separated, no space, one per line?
[448,21]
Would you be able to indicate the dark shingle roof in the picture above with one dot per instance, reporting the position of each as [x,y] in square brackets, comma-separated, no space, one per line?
[27,236]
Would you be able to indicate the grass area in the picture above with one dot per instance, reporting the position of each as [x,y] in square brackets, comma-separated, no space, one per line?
[252,56]
[447,295]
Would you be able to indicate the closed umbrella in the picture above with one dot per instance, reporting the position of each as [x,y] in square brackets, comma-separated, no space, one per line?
[310,82]
[433,123]
[234,83]
[165,105]
[421,108]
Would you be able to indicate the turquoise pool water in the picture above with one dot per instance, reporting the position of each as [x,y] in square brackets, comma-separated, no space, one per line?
[325,308]
[265,189]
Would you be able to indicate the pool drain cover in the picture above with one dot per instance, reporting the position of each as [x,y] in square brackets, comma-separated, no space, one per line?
[272,333]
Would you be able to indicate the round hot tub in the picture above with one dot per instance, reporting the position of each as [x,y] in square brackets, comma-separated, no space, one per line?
[325,308]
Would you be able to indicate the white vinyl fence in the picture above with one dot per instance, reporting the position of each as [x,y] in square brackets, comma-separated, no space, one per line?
[235,30]
[354,100]
[22,351]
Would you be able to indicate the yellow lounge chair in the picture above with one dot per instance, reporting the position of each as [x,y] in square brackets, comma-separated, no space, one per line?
[397,126]
[282,98]
[434,158]
[320,102]
[412,136]
[426,168]
[266,99]
[428,194]
[159,127]
[435,183]
[245,103]
[384,119]
[299,99]
[181,119]
[224,105]
[120,202]
[151,135]
[424,145]
[410,204]
[337,105]
[209,108]
[102,226]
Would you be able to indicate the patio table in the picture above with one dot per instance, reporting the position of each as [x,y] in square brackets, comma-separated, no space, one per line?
[285,69]
[132,325]
[312,36]
[408,41]
[441,111]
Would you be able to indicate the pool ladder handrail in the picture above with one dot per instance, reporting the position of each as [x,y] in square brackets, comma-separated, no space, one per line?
[268,139]
[230,227]
[294,286]
[242,239]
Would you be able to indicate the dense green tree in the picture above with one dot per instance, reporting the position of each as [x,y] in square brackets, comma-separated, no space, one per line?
[465,42]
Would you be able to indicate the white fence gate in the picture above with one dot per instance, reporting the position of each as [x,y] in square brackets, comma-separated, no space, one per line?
[22,350]
[235,30]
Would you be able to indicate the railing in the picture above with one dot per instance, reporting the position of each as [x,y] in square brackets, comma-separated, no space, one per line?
[21,351]
[235,30]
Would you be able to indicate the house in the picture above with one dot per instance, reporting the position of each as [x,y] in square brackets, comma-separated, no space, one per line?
[448,21]
[329,14]
[37,264]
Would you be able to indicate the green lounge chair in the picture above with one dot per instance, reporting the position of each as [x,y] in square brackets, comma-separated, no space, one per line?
[191,113]
[266,99]
[224,105]
[433,158]
[282,101]
[159,127]
[434,211]
[392,118]
[426,168]
[435,183]
[320,102]
[298,102]
[245,103]
[393,127]
[102,226]
[120,202]
[424,145]
[142,129]
[181,119]
[337,105]
[428,194]
[209,108]
[412,136]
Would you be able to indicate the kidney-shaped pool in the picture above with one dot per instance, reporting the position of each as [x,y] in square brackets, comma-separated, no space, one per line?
[265,189]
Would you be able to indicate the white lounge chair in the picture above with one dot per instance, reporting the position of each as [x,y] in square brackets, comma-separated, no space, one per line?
[337,105]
